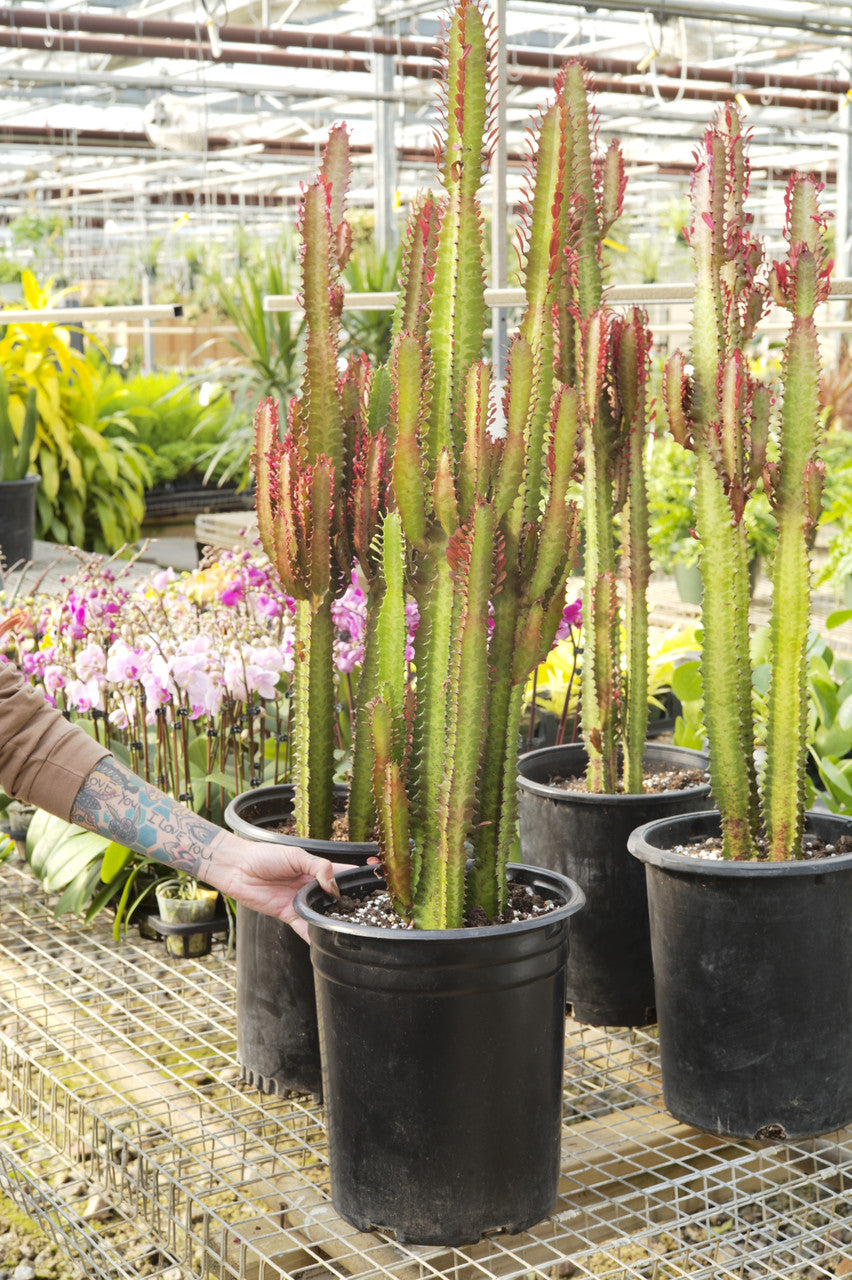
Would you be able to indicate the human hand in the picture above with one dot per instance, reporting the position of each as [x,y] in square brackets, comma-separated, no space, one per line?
[266,877]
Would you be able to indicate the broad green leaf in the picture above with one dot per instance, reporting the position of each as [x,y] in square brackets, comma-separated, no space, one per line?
[686,736]
[70,857]
[78,892]
[55,830]
[116,858]
[838,618]
[837,780]
[36,829]
[104,895]
[686,682]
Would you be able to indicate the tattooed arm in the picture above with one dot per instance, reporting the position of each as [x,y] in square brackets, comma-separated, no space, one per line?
[117,803]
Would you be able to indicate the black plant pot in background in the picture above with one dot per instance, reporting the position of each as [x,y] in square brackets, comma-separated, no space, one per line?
[753,963]
[277,1038]
[17,519]
[442,1066]
[610,980]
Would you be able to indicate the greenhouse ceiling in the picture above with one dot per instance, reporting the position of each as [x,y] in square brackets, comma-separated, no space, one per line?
[127,119]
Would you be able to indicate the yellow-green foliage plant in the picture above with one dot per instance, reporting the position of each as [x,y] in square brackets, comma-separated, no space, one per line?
[721,412]
[92,475]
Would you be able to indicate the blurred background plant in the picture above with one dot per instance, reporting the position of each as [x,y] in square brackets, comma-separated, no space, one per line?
[370,270]
[552,694]
[267,352]
[671,509]
[836,520]
[186,678]
[179,422]
[93,473]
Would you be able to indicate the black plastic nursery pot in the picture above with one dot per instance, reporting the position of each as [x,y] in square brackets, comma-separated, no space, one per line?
[753,964]
[17,519]
[610,978]
[442,1066]
[277,1037]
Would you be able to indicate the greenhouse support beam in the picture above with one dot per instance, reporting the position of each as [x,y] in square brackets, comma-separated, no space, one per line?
[407,47]
[616,295]
[124,47]
[753,15]
[79,315]
[152,38]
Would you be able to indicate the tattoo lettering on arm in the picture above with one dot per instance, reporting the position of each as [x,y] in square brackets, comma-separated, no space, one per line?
[117,803]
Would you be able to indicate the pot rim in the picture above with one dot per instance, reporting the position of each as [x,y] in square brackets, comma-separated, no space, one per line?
[640,846]
[575,899]
[281,790]
[548,792]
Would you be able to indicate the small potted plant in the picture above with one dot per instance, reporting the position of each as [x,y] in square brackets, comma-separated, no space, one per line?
[443,1033]
[184,902]
[750,932]
[579,802]
[18,420]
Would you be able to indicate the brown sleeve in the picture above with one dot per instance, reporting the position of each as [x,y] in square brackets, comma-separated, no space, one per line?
[43,759]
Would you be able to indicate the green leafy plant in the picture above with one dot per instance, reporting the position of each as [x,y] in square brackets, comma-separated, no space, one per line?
[671,510]
[267,350]
[671,505]
[482,532]
[723,413]
[171,421]
[92,474]
[837,517]
[830,718]
[86,870]
[16,445]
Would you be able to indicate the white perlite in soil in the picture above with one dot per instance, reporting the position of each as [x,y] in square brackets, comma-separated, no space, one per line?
[376,909]
[711,849]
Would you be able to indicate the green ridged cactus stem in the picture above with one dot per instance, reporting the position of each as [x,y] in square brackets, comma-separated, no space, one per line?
[606,357]
[482,532]
[799,284]
[320,493]
[722,413]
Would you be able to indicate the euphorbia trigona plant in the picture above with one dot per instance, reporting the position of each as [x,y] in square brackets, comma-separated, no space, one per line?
[607,358]
[482,533]
[320,490]
[723,413]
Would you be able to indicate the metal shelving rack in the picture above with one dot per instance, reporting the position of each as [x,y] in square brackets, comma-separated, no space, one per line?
[128,1135]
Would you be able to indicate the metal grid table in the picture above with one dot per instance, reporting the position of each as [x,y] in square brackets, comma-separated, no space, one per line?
[128,1135]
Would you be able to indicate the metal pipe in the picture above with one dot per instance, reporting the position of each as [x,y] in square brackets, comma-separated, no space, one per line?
[77,315]
[617,294]
[712,11]
[229,33]
[411,47]
[140,33]
[126,47]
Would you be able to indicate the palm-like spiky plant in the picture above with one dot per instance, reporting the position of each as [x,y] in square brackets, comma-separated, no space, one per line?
[723,414]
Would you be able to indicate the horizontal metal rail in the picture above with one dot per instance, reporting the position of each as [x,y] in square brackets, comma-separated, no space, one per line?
[617,294]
